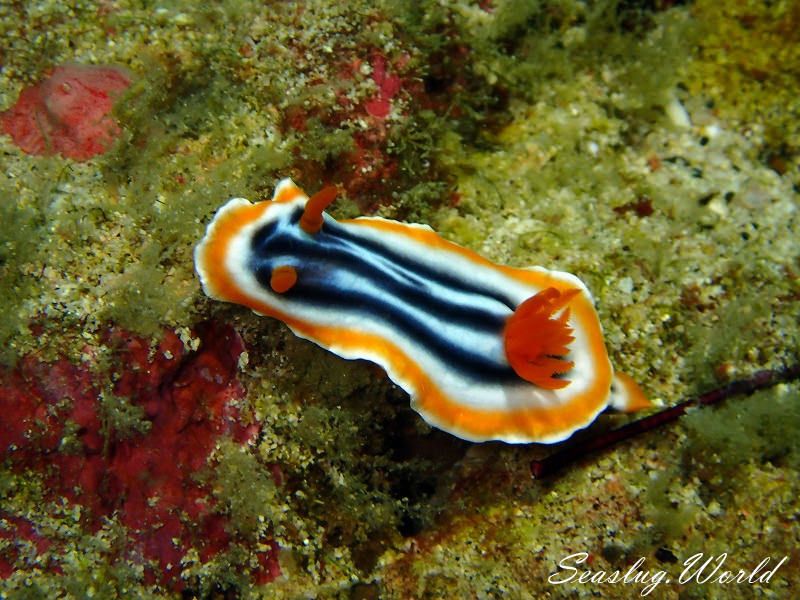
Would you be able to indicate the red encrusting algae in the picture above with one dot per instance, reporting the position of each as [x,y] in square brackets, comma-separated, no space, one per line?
[366,169]
[388,86]
[68,113]
[148,480]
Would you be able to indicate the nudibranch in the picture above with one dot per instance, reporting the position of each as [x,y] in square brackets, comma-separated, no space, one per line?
[486,352]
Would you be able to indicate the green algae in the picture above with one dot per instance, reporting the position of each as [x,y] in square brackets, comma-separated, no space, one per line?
[86,569]
[121,418]
[555,122]
[668,515]
[761,429]
[750,72]
[19,232]
[246,490]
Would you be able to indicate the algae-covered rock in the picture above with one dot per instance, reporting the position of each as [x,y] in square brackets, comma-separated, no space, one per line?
[649,148]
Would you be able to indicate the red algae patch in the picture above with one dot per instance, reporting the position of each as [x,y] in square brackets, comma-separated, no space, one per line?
[149,479]
[388,86]
[68,113]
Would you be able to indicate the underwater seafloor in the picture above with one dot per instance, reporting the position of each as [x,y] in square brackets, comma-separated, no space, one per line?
[156,443]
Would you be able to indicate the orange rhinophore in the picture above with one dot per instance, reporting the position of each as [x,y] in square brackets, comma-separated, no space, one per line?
[311,221]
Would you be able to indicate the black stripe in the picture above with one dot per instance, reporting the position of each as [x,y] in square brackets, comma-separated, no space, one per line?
[404,280]
[467,361]
[443,277]
[278,243]
[273,240]
[317,261]
[333,233]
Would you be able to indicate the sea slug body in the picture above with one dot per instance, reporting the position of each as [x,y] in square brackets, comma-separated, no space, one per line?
[486,352]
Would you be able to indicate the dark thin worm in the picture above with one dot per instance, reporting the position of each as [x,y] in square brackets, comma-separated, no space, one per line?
[758,381]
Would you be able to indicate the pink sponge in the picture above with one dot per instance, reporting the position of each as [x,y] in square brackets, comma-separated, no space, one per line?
[67,113]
